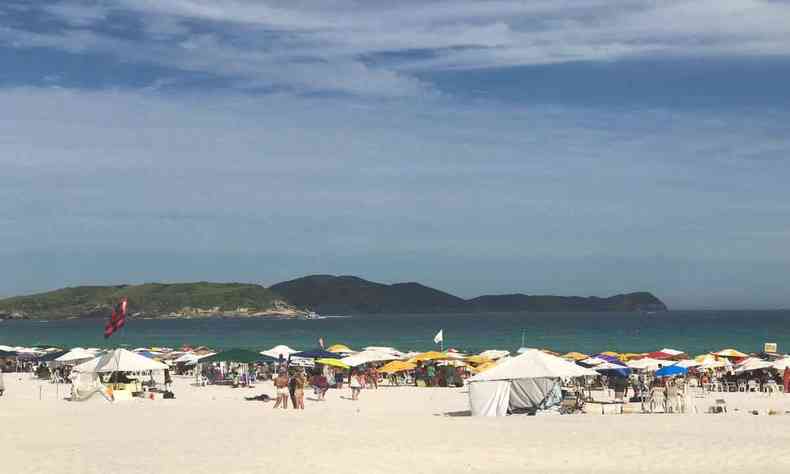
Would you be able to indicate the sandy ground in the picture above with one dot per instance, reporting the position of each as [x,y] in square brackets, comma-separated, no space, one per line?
[393,429]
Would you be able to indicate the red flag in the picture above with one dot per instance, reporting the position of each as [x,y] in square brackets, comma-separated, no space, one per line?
[118,318]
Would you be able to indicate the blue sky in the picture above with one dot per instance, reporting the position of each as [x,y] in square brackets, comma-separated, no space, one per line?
[568,147]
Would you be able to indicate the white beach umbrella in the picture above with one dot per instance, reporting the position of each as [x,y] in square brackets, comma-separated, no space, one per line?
[276,351]
[366,357]
[76,354]
[646,364]
[781,364]
[753,363]
[120,360]
[688,363]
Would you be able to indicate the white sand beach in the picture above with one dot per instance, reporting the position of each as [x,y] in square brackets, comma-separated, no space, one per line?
[389,430]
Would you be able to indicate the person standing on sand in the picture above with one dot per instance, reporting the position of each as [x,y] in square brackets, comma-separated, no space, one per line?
[2,384]
[281,386]
[785,379]
[299,383]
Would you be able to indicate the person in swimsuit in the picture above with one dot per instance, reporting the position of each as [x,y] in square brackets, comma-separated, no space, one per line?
[281,386]
[299,383]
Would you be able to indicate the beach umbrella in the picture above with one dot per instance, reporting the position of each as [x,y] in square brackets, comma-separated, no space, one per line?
[591,361]
[340,349]
[494,354]
[430,355]
[616,355]
[476,359]
[782,364]
[612,368]
[575,356]
[120,360]
[317,354]
[75,355]
[243,356]
[646,364]
[366,357]
[280,350]
[753,363]
[632,356]
[397,366]
[333,362]
[483,367]
[731,353]
[671,371]
[4,353]
[688,363]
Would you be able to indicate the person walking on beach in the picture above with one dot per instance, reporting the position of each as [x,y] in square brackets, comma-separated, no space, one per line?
[785,379]
[355,382]
[281,386]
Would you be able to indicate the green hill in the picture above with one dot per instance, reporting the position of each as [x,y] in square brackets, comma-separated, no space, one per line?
[150,298]
[350,294]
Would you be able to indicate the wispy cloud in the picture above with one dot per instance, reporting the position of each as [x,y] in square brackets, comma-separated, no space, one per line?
[339,46]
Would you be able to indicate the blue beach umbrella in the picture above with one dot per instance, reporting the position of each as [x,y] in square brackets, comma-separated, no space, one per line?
[671,371]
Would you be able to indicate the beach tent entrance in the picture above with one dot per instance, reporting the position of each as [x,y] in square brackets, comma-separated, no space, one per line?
[529,381]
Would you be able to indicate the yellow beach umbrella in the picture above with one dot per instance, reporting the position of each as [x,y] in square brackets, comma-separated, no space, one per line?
[730,353]
[397,366]
[339,349]
[575,356]
[430,355]
[476,359]
[333,363]
[483,367]
[631,356]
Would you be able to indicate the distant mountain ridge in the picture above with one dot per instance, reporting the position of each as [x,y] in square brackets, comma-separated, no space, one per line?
[350,294]
[326,294]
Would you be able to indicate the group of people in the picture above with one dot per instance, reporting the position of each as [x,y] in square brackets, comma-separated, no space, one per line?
[290,384]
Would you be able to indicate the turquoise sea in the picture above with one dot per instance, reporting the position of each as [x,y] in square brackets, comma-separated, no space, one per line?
[691,331]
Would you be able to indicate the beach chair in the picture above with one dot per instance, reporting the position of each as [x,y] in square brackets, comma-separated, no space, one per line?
[720,406]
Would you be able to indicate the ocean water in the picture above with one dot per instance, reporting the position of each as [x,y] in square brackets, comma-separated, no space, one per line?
[691,331]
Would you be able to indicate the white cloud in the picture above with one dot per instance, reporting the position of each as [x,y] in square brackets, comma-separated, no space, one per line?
[318,45]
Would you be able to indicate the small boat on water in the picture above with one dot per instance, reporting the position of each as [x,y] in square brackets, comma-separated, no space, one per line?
[313,315]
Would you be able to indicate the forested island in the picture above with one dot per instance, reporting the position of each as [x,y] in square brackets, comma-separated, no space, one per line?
[326,294]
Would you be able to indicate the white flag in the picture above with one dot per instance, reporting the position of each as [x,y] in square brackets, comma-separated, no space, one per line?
[439,337]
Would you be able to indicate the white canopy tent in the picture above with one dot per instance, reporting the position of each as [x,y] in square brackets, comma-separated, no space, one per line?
[276,351]
[191,358]
[688,363]
[120,360]
[522,382]
[647,364]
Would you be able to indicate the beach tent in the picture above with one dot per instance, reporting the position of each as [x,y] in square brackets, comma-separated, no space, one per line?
[120,360]
[51,356]
[366,357]
[317,354]
[340,349]
[526,381]
[191,358]
[671,371]
[276,351]
[234,355]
